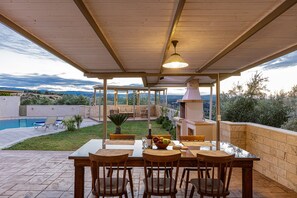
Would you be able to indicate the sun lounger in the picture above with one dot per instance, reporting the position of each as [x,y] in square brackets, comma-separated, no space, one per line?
[50,121]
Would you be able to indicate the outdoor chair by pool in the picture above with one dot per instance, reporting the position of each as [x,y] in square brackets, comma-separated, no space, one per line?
[103,185]
[50,121]
[220,174]
[157,183]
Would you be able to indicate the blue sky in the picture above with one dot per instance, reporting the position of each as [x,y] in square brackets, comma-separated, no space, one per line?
[26,65]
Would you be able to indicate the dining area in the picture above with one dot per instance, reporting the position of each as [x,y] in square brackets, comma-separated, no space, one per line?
[190,164]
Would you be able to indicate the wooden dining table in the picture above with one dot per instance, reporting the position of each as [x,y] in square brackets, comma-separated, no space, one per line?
[243,159]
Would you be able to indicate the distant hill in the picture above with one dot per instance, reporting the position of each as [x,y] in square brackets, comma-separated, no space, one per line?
[171,99]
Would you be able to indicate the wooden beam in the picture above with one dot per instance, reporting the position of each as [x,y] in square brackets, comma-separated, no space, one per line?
[173,26]
[261,24]
[39,42]
[84,10]
[269,58]
[143,74]
[144,81]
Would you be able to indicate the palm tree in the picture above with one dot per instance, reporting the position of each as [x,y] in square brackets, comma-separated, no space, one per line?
[118,120]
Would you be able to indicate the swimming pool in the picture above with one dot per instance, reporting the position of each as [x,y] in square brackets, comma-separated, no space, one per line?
[17,123]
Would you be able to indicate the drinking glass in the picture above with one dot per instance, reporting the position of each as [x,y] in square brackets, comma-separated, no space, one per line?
[144,142]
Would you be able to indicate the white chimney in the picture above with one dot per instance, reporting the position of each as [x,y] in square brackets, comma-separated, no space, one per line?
[192,92]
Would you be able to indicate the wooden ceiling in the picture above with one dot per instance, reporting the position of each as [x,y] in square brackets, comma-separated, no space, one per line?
[120,38]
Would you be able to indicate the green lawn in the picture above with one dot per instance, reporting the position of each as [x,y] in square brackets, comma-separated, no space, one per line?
[69,141]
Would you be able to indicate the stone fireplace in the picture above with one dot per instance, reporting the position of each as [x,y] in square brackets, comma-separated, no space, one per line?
[191,120]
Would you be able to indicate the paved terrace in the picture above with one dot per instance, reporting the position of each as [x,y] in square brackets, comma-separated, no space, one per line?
[9,137]
[50,174]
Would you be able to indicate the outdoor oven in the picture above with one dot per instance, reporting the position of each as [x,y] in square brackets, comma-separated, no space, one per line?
[191,120]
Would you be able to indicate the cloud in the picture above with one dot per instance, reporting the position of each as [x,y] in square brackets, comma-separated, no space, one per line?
[288,60]
[48,82]
[14,42]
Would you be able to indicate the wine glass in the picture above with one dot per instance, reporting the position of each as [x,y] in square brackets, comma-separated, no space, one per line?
[144,142]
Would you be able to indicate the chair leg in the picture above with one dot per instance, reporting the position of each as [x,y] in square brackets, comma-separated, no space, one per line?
[126,194]
[192,191]
[182,178]
[187,183]
[144,195]
[131,182]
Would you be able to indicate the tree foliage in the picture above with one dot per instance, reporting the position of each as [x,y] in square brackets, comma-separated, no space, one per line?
[38,99]
[252,105]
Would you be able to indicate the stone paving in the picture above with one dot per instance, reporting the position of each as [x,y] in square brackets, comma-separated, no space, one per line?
[9,137]
[46,174]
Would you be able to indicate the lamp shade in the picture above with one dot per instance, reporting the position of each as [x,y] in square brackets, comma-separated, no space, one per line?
[175,61]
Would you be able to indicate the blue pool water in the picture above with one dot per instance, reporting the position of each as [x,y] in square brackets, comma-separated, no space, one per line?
[17,123]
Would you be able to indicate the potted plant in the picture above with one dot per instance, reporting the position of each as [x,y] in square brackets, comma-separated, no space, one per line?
[118,120]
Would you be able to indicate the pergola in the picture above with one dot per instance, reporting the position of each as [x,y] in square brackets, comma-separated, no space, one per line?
[136,95]
[119,38]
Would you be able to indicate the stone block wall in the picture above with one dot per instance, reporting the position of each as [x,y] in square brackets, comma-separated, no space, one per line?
[277,149]
[234,133]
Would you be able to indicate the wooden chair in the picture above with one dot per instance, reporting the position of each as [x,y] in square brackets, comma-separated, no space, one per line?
[218,184]
[121,136]
[110,170]
[103,185]
[158,183]
[197,138]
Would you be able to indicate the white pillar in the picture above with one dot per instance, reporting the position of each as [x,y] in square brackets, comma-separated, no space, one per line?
[210,104]
[149,106]
[94,99]
[134,93]
[165,97]
[100,99]
[218,112]
[104,108]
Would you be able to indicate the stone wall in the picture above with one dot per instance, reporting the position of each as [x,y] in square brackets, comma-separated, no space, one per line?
[56,110]
[277,149]
[9,106]
[234,133]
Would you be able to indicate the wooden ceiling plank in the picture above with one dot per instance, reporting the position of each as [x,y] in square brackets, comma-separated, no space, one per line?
[84,10]
[261,24]
[39,42]
[176,18]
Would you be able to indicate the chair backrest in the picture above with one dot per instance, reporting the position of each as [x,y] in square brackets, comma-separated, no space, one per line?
[121,136]
[219,169]
[167,136]
[51,120]
[156,178]
[101,183]
[198,138]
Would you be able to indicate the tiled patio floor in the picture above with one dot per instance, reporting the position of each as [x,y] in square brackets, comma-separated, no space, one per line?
[50,174]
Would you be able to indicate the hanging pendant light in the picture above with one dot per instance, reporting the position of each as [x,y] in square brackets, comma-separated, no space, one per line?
[175,60]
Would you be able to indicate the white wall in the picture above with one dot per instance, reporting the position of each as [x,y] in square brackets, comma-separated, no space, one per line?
[9,106]
[56,110]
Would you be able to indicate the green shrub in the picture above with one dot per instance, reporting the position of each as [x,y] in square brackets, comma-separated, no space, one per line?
[172,132]
[78,120]
[291,124]
[69,124]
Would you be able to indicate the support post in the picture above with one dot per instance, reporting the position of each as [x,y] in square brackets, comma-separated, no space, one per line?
[127,97]
[218,112]
[210,104]
[134,93]
[100,99]
[149,106]
[94,97]
[166,97]
[104,108]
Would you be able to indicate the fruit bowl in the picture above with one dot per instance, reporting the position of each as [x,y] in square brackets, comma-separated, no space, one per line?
[161,145]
